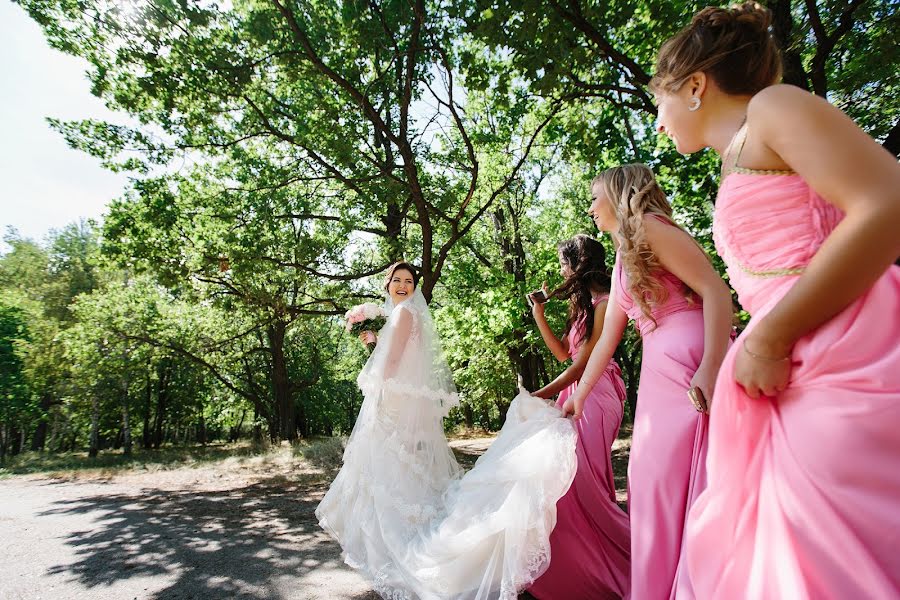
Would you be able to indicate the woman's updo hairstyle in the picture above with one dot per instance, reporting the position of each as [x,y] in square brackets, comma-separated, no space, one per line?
[401,266]
[732,45]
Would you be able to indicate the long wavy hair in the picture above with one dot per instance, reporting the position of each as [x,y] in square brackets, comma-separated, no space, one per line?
[586,258]
[633,193]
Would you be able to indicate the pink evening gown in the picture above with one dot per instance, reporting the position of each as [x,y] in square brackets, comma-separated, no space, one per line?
[589,547]
[666,470]
[804,489]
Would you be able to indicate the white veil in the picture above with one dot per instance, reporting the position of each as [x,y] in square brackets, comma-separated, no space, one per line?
[417,368]
[401,508]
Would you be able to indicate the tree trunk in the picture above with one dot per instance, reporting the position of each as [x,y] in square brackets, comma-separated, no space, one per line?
[162,396]
[39,439]
[526,360]
[281,385]
[468,414]
[126,421]
[892,141]
[782,29]
[201,430]
[302,421]
[94,447]
[146,431]
[235,432]
[15,438]
[256,434]
[4,437]
[630,365]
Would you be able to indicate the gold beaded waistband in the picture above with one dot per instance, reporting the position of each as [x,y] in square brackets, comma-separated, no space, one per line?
[772,272]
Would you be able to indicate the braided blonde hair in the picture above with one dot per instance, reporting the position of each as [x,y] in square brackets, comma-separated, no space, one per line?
[633,192]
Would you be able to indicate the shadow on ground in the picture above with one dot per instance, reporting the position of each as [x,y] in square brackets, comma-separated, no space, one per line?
[114,461]
[259,541]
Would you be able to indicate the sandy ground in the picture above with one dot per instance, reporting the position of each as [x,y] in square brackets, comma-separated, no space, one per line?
[237,528]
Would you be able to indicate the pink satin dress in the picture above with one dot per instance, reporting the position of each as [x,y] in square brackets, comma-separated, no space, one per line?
[590,546]
[803,499]
[666,468]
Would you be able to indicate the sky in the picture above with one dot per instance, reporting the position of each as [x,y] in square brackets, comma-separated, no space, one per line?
[44,184]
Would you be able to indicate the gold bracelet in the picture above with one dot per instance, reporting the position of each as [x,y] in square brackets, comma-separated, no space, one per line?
[761,357]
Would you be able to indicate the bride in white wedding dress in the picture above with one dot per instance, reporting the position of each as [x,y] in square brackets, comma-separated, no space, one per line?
[402,511]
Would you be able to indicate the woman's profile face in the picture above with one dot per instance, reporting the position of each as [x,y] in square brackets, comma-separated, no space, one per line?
[601,210]
[401,286]
[678,122]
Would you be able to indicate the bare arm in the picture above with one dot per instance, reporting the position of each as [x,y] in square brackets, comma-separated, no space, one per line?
[681,256]
[848,169]
[614,323]
[559,347]
[399,338]
[574,371]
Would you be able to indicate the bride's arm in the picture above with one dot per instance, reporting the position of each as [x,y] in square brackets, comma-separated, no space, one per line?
[399,337]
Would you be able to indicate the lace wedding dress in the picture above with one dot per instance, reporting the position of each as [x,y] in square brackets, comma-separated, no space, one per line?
[402,511]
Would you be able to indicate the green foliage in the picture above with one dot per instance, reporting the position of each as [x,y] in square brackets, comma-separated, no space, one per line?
[284,153]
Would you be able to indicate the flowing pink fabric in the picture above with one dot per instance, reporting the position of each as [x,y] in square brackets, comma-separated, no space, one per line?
[666,468]
[589,547]
[803,499]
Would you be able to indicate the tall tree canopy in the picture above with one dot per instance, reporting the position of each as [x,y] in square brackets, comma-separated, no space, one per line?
[284,152]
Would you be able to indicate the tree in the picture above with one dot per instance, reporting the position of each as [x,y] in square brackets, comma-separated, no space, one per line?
[349,106]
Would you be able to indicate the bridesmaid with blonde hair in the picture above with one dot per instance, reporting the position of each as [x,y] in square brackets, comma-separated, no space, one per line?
[665,283]
[803,499]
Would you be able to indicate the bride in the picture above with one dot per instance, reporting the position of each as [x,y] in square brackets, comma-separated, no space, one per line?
[402,511]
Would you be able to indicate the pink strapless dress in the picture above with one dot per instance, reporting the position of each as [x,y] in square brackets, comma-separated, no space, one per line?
[590,547]
[666,468]
[803,499]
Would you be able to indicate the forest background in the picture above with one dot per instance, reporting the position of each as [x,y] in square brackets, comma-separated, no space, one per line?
[282,154]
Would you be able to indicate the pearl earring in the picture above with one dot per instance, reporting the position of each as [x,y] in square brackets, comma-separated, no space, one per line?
[695,104]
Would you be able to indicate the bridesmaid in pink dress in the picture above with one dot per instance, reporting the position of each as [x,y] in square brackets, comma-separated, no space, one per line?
[667,285]
[803,496]
[590,556]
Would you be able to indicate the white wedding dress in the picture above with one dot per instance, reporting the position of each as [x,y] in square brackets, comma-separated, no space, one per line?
[400,508]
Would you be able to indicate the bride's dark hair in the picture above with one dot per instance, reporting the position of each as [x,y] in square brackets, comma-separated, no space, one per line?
[401,266]
[586,257]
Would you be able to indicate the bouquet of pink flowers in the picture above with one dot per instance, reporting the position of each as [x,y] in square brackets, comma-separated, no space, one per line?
[365,317]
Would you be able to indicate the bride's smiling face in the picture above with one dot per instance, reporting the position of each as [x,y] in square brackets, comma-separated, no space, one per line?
[401,286]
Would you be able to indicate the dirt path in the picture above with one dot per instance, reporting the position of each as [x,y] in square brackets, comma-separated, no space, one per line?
[239,528]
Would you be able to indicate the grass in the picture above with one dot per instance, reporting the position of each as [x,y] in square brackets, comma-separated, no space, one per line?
[324,453]
[114,461]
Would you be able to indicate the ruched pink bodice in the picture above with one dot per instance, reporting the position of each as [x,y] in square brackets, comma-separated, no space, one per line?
[676,301]
[767,229]
[803,496]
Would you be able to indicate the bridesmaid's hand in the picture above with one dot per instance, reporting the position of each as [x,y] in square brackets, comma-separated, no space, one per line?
[542,393]
[537,308]
[705,379]
[574,406]
[762,367]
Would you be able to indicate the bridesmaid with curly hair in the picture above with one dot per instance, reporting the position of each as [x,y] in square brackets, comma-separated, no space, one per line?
[666,284]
